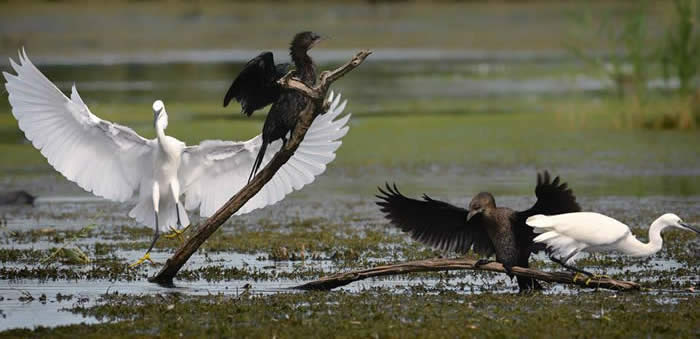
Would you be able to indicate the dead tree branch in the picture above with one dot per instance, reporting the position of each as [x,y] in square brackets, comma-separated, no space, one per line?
[441,264]
[306,117]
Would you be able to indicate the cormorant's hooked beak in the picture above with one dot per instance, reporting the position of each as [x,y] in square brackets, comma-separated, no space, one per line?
[472,213]
[689,227]
[316,40]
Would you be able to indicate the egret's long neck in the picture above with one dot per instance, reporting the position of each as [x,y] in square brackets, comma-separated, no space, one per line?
[640,249]
[160,125]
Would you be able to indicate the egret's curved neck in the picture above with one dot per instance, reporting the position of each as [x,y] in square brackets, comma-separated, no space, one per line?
[160,125]
[641,249]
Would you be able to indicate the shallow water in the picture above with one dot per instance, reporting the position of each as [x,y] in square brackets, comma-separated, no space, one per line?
[328,200]
[635,188]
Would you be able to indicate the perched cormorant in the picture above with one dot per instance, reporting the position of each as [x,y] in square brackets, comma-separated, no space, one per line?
[256,87]
[483,227]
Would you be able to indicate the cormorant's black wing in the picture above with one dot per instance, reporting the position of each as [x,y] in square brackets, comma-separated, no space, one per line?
[434,223]
[256,85]
[553,197]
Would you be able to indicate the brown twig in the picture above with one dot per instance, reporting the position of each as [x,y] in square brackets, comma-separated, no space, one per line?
[306,117]
[441,264]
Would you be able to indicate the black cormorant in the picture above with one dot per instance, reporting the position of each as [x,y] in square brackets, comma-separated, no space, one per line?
[256,87]
[483,227]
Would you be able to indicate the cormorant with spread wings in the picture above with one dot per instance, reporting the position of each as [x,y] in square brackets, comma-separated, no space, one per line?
[256,87]
[482,227]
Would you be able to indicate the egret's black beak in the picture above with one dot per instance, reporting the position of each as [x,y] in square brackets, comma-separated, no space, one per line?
[689,227]
[156,114]
[472,213]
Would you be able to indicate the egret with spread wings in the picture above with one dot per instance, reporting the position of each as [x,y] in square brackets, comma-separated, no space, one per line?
[113,161]
[256,87]
[482,227]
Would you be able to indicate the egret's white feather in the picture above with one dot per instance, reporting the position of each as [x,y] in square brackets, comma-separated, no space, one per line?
[101,157]
[113,161]
[215,170]
[570,233]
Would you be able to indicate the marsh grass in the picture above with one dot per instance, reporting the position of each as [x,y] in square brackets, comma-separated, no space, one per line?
[630,66]
[69,252]
[382,313]
[681,52]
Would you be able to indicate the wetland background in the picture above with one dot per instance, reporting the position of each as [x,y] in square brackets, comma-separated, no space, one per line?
[457,98]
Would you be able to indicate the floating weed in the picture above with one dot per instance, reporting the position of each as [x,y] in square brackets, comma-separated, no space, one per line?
[13,255]
[70,252]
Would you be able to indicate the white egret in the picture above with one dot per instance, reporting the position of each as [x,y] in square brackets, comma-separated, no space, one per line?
[113,161]
[568,234]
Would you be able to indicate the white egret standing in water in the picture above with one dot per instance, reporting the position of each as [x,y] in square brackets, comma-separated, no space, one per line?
[113,161]
[568,234]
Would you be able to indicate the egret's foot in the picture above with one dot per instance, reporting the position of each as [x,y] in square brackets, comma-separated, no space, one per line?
[177,233]
[596,276]
[146,257]
[578,275]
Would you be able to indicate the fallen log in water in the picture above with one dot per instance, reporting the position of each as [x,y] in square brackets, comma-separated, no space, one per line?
[442,264]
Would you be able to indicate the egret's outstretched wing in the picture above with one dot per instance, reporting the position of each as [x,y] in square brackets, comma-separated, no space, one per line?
[434,223]
[213,171]
[101,157]
[256,86]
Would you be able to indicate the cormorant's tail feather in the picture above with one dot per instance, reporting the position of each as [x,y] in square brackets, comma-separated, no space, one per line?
[258,160]
[527,284]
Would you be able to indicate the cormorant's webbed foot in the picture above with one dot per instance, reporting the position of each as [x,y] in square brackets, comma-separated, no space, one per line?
[482,262]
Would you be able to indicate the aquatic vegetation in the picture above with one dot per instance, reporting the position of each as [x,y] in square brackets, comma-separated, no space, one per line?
[459,121]
[385,313]
[69,252]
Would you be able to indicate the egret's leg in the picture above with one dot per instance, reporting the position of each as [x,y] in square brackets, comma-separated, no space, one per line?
[573,268]
[175,190]
[155,235]
[156,200]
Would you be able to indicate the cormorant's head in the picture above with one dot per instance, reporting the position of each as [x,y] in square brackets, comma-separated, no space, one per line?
[480,203]
[305,41]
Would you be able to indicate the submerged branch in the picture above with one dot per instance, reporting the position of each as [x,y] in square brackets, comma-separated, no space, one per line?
[432,265]
[306,117]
